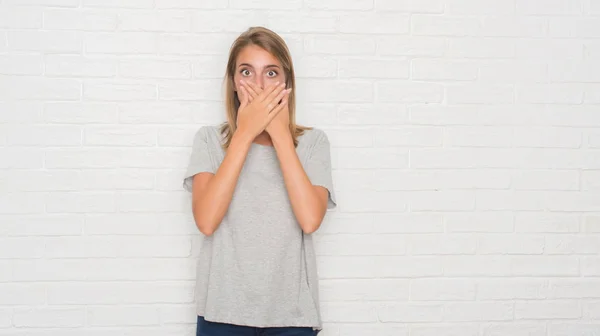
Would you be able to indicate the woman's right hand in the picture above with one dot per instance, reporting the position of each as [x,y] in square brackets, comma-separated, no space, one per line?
[253,117]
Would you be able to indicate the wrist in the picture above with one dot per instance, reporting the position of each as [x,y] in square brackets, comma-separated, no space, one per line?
[242,137]
[282,137]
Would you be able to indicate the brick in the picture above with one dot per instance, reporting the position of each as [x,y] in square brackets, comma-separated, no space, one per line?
[553,7]
[22,294]
[544,266]
[348,267]
[5,276]
[574,289]
[403,92]
[510,244]
[80,113]
[591,223]
[177,137]
[231,21]
[50,3]
[573,329]
[55,317]
[515,329]
[339,4]
[155,69]
[481,47]
[41,225]
[154,158]
[339,45]
[546,180]
[35,180]
[86,20]
[375,23]
[160,112]
[380,329]
[45,136]
[158,269]
[350,137]
[20,18]
[474,7]
[410,312]
[545,137]
[21,203]
[461,158]
[122,315]
[433,179]
[79,66]
[168,180]
[105,293]
[298,22]
[480,94]
[372,158]
[545,49]
[121,43]
[187,44]
[77,202]
[463,266]
[444,329]
[577,72]
[206,67]
[21,248]
[361,245]
[411,46]
[117,246]
[187,4]
[411,6]
[346,223]
[265,4]
[442,200]
[178,314]
[155,21]
[590,266]
[549,94]
[372,201]
[510,71]
[45,41]
[549,309]
[34,88]
[337,290]
[437,25]
[512,289]
[408,136]
[22,112]
[324,91]
[591,310]
[442,290]
[119,136]
[189,90]
[425,222]
[478,136]
[573,244]
[158,202]
[119,3]
[129,223]
[49,270]
[117,179]
[348,312]
[509,26]
[479,222]
[105,90]
[435,69]
[478,311]
[371,114]
[368,68]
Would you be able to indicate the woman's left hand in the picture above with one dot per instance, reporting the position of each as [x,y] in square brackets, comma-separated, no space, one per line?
[280,125]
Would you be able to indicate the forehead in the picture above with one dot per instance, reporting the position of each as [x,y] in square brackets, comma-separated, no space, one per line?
[256,56]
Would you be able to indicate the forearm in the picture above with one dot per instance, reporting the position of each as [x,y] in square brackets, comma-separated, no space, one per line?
[304,198]
[211,204]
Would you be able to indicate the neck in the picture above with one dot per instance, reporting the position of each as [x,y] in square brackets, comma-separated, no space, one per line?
[263,139]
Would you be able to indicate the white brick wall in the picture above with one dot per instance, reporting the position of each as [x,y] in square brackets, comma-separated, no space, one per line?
[466,158]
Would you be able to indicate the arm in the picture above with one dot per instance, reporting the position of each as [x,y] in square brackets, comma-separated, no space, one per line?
[212,193]
[309,202]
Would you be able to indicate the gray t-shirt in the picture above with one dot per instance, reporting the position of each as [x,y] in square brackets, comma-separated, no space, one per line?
[259,268]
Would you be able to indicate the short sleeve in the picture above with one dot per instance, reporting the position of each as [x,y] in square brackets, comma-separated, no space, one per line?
[318,167]
[200,158]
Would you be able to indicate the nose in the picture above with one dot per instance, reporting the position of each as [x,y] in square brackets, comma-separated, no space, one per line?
[259,82]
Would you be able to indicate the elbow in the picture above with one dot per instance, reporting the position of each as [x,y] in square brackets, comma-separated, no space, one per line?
[206,230]
[312,226]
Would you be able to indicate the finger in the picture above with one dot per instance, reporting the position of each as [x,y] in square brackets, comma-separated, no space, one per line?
[270,92]
[244,96]
[250,90]
[278,109]
[255,88]
[274,97]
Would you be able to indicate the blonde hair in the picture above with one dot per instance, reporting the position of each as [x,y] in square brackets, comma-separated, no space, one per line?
[274,44]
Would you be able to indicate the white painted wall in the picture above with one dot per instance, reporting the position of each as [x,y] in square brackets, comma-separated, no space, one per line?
[465,145]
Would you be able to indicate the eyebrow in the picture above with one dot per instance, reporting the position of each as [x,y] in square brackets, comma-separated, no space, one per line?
[268,66]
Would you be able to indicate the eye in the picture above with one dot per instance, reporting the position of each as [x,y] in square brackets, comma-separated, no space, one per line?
[245,72]
[272,73]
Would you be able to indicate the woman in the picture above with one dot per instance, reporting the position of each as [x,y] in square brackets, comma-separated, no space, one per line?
[260,186]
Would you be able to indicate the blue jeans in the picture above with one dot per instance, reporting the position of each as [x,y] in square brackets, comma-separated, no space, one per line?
[208,328]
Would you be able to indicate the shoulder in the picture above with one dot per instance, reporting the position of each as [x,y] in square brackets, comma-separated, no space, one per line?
[210,134]
[314,136]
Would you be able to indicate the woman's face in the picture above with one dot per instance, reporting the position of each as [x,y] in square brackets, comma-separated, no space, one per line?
[258,66]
